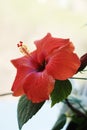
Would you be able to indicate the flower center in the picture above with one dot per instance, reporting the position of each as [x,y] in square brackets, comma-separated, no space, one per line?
[41,67]
[23,49]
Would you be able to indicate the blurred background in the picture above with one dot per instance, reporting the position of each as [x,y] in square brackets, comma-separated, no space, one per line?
[27,21]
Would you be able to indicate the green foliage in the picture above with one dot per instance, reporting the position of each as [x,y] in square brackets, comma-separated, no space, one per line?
[26,109]
[72,126]
[77,123]
[78,120]
[60,122]
[61,90]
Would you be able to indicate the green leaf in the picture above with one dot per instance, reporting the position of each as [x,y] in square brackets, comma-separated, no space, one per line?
[78,120]
[61,90]
[26,109]
[60,122]
[72,126]
[77,123]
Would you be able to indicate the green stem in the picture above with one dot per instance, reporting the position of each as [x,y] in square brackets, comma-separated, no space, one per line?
[84,70]
[5,94]
[82,108]
[74,109]
[78,78]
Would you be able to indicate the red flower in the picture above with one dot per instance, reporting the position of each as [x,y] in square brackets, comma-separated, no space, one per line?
[36,71]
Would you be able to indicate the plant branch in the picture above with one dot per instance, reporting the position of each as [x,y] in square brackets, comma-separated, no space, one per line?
[82,108]
[78,78]
[74,109]
[5,94]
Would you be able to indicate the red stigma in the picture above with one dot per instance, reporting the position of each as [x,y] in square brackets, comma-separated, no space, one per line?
[20,44]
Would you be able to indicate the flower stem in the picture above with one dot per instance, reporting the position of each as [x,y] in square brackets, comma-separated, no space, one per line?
[78,78]
[84,70]
[5,94]
[82,108]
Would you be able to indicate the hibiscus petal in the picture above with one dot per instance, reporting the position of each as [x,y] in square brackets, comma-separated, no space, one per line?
[17,86]
[26,61]
[24,65]
[38,86]
[63,64]
[49,44]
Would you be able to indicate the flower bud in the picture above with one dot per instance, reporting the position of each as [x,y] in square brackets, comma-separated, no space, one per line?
[83,60]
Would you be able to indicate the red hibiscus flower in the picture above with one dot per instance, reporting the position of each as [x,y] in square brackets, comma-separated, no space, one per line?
[36,71]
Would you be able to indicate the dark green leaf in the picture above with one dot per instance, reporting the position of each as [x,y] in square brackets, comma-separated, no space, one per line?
[72,126]
[60,123]
[78,120]
[61,90]
[77,123]
[26,109]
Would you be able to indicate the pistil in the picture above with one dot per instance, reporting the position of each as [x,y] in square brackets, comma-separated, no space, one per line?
[23,48]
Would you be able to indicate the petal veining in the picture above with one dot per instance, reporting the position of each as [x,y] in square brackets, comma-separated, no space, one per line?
[38,86]
[63,65]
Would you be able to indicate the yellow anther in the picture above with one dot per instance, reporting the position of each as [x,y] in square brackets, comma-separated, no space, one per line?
[23,48]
